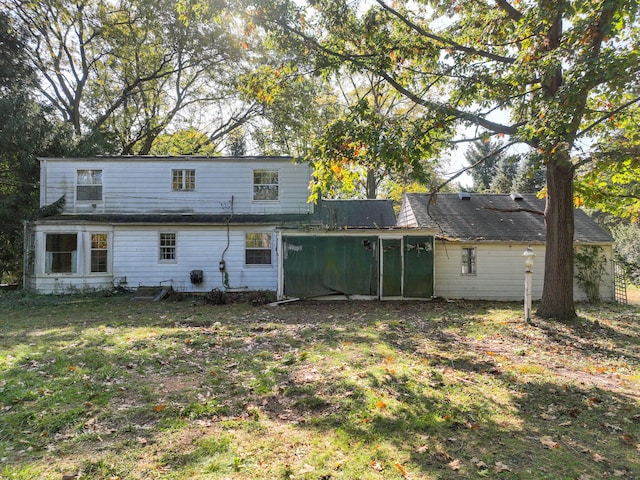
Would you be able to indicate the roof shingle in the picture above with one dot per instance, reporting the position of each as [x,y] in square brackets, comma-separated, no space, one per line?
[494,217]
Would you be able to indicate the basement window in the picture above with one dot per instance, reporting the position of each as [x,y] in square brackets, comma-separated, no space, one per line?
[61,254]
[469,261]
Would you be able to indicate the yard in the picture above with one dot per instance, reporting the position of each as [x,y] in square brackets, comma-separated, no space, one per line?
[95,387]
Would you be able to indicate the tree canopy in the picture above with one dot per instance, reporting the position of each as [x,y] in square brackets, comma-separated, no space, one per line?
[533,71]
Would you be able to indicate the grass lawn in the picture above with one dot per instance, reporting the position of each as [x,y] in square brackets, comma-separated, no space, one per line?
[95,387]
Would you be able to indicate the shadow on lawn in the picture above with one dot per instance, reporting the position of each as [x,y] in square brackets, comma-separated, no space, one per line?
[331,369]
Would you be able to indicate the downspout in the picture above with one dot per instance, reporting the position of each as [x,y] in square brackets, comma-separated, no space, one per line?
[25,253]
[223,266]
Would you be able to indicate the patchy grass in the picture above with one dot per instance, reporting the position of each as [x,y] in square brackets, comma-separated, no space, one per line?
[633,294]
[106,388]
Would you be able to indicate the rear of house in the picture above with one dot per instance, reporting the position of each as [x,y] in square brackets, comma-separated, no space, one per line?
[192,223]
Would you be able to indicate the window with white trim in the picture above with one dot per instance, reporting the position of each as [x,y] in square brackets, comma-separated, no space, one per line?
[167,247]
[469,261]
[183,180]
[265,185]
[89,186]
[99,253]
[258,249]
[61,253]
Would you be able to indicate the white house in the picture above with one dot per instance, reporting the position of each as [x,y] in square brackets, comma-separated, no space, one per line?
[480,240]
[201,223]
[193,223]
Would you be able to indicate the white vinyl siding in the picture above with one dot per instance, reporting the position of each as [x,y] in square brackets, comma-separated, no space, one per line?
[500,273]
[142,185]
[200,248]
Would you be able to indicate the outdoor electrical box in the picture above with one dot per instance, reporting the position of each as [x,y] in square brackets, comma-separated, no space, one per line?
[196,276]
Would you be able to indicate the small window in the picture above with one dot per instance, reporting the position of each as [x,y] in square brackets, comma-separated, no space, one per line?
[265,185]
[469,261]
[258,249]
[89,187]
[167,247]
[61,253]
[99,252]
[183,180]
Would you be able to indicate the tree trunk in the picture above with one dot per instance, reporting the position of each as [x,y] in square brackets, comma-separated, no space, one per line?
[371,184]
[557,293]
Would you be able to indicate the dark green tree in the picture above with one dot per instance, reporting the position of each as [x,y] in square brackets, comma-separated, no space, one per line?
[26,130]
[483,158]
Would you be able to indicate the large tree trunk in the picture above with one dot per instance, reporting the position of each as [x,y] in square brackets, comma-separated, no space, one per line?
[371,186]
[557,293]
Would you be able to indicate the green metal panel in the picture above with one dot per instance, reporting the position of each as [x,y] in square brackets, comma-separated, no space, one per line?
[391,267]
[418,267]
[325,265]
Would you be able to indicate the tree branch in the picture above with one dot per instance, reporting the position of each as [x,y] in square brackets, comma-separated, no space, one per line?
[445,41]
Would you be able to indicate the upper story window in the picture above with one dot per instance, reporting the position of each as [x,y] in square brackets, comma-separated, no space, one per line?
[469,261]
[265,185]
[89,185]
[167,251]
[258,249]
[183,180]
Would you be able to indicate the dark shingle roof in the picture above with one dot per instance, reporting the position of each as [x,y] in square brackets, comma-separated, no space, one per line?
[494,217]
[329,214]
[356,213]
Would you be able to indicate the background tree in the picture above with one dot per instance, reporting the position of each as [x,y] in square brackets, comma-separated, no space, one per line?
[25,131]
[505,172]
[530,176]
[544,63]
[377,135]
[130,68]
[483,156]
[187,141]
[627,248]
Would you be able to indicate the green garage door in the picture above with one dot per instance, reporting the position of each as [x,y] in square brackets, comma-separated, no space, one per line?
[326,265]
[418,267]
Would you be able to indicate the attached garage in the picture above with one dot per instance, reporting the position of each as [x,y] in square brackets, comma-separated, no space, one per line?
[384,265]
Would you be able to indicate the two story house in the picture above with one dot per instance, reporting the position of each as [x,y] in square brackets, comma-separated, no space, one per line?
[193,223]
[200,223]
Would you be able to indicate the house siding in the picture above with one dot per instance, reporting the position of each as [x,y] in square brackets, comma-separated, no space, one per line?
[144,185]
[499,272]
[197,248]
